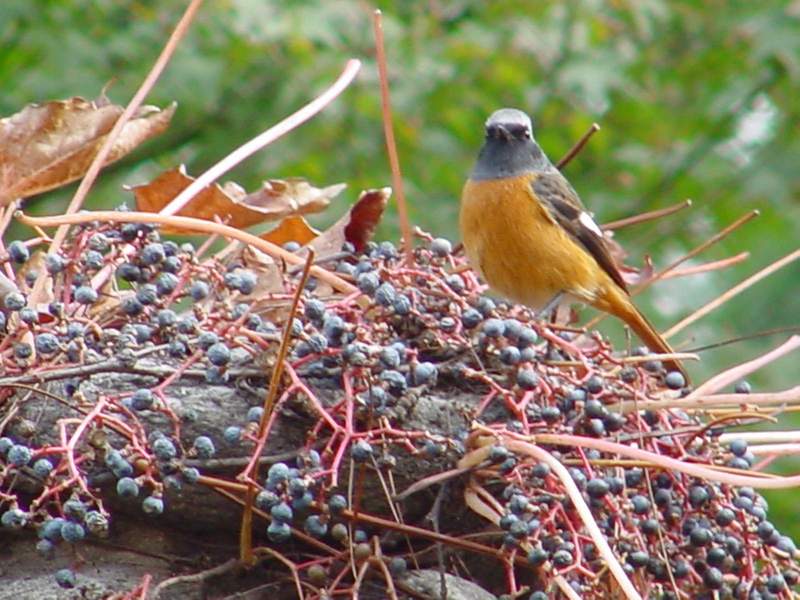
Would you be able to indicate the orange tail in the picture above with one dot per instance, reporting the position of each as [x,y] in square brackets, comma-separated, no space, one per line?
[618,303]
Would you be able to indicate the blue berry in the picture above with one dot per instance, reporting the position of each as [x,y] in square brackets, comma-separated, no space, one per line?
[641,504]
[166,317]
[424,373]
[29,315]
[527,379]
[143,332]
[471,318]
[317,343]
[65,578]
[674,380]
[282,512]
[486,305]
[297,327]
[75,510]
[527,337]
[204,446]
[247,282]
[455,283]
[389,357]
[14,518]
[232,435]
[127,487]
[361,451]
[314,310]
[395,381]
[368,282]
[738,447]
[99,242]
[742,387]
[254,414]
[597,487]
[291,246]
[14,301]
[72,532]
[153,505]
[218,354]
[129,272]
[18,252]
[19,455]
[397,566]
[142,399]
[402,305]
[93,260]
[265,500]
[164,449]
[46,343]
[303,503]
[22,350]
[278,473]
[494,327]
[190,474]
[278,532]
[152,254]
[510,355]
[385,294]
[42,467]
[198,290]
[45,548]
[85,295]
[166,284]
[441,247]
[53,263]
[337,504]
[131,306]
[315,527]
[51,529]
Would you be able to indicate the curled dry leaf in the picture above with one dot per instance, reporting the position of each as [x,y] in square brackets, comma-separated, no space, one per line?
[230,203]
[356,227]
[48,145]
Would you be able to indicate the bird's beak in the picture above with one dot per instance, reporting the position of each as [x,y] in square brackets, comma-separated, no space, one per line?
[504,133]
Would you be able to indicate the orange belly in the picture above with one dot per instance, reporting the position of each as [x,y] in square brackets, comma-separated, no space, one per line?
[512,241]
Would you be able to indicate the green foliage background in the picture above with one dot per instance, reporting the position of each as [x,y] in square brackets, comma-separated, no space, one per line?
[696,99]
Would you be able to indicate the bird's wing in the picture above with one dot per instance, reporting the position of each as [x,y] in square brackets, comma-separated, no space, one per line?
[565,208]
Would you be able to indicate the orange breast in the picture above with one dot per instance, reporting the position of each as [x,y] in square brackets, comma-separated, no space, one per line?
[512,241]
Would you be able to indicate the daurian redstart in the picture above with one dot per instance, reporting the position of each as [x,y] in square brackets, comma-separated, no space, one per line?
[527,233]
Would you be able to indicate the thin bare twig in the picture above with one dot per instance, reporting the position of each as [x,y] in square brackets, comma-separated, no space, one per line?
[731,293]
[573,152]
[388,130]
[158,68]
[267,137]
[646,216]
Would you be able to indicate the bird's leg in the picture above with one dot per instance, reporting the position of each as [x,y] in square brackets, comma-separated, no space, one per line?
[550,307]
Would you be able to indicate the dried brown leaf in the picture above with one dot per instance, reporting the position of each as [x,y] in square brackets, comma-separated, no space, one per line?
[291,229]
[48,145]
[357,226]
[230,203]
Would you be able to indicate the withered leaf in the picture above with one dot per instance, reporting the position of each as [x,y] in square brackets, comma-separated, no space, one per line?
[357,226]
[48,145]
[291,229]
[230,203]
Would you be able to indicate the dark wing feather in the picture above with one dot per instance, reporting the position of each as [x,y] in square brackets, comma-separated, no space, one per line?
[562,202]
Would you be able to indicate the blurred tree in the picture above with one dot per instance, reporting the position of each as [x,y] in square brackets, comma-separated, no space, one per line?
[696,99]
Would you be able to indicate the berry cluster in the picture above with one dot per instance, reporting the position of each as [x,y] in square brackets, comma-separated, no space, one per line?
[360,366]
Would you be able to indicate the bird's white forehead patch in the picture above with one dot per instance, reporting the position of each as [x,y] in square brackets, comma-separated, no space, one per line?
[587,221]
[509,116]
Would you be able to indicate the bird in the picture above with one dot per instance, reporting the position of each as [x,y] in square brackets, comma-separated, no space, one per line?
[526,232]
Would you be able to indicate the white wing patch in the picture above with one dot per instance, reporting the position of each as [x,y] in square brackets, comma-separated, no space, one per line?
[587,221]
